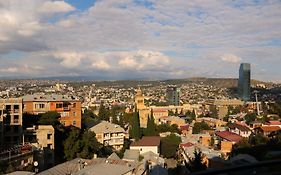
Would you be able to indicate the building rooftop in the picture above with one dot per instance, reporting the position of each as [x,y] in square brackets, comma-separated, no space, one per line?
[238,126]
[270,128]
[131,154]
[229,136]
[147,141]
[107,127]
[52,97]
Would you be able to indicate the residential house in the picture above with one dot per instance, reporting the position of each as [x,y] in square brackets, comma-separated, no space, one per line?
[147,143]
[267,130]
[226,140]
[240,129]
[110,134]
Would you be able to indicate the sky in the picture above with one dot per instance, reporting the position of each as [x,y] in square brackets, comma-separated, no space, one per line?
[132,39]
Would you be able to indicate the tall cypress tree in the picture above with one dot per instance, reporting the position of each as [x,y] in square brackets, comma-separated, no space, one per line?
[103,113]
[135,128]
[151,127]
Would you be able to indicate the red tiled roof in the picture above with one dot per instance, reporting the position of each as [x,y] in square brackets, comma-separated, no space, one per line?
[229,136]
[186,145]
[184,128]
[270,128]
[147,141]
[274,122]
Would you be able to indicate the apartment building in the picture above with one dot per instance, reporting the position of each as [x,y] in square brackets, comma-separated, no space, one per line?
[42,137]
[68,107]
[10,122]
[110,134]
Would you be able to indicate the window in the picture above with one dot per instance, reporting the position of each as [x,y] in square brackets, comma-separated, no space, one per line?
[49,146]
[74,105]
[16,118]
[74,114]
[59,105]
[49,136]
[74,123]
[64,114]
[39,106]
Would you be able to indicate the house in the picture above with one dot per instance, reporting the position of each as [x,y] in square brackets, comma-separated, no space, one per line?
[171,120]
[226,140]
[240,129]
[110,134]
[131,155]
[267,130]
[147,143]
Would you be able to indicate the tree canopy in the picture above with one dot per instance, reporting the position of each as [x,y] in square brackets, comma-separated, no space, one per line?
[170,145]
[49,118]
[135,127]
[151,126]
[200,126]
[196,164]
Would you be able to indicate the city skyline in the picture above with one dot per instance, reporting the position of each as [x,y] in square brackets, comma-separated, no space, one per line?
[133,39]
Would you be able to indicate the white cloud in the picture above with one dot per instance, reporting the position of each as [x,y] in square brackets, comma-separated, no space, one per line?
[230,58]
[56,7]
[69,59]
[9,70]
[101,65]
[144,60]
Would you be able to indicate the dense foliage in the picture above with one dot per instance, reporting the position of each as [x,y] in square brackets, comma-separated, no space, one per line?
[170,145]
[200,126]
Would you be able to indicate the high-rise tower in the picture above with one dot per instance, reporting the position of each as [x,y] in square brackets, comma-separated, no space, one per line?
[244,82]
[173,95]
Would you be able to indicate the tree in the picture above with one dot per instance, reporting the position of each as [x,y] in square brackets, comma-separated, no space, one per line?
[257,139]
[244,143]
[89,145]
[250,118]
[196,164]
[114,113]
[168,128]
[151,126]
[49,118]
[72,145]
[199,126]
[135,127]
[84,145]
[169,145]
[103,113]
[213,112]
[190,116]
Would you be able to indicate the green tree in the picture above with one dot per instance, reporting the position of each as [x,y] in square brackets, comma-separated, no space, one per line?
[89,145]
[151,126]
[49,118]
[168,128]
[169,145]
[135,127]
[171,113]
[250,118]
[257,139]
[103,113]
[72,145]
[244,143]
[199,126]
[114,113]
[196,164]
[213,111]
[190,116]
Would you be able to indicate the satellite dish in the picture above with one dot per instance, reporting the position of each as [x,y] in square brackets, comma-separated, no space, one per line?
[35,163]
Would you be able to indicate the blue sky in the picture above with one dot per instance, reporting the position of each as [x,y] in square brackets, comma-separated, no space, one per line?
[129,39]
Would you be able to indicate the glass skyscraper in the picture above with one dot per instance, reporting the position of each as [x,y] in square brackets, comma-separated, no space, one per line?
[244,82]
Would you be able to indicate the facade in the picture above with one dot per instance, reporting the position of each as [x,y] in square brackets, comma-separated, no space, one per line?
[244,82]
[68,107]
[146,144]
[173,95]
[110,134]
[240,129]
[10,122]
[42,137]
